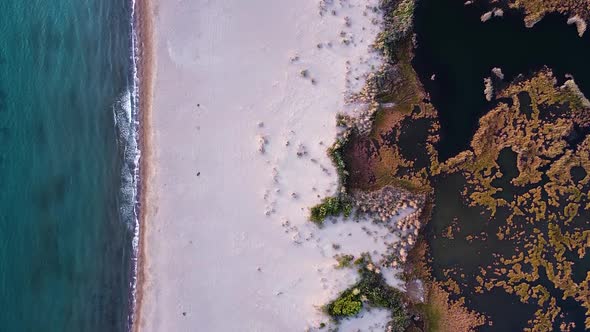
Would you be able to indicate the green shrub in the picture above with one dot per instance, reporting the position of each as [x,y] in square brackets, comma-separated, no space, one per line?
[347,305]
[399,16]
[331,206]
[341,203]
[344,261]
[335,153]
[373,291]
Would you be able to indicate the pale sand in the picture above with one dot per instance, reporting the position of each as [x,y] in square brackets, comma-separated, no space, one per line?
[225,240]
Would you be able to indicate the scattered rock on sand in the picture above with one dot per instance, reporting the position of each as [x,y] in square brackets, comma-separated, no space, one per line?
[347,21]
[301,151]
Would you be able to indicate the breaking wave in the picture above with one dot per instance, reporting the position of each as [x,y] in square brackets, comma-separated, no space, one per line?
[126,117]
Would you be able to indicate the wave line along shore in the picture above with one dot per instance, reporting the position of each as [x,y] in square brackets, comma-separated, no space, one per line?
[143,23]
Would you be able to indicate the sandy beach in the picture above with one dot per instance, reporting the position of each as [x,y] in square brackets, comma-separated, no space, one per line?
[244,103]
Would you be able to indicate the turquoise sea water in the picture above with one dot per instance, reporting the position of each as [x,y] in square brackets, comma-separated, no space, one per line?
[65,229]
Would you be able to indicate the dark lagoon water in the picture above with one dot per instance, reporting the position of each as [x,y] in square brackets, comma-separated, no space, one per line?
[461,50]
[66,224]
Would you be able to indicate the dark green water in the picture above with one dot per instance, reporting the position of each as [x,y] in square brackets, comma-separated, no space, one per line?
[65,245]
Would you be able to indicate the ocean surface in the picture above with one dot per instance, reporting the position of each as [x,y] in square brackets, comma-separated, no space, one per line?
[67,159]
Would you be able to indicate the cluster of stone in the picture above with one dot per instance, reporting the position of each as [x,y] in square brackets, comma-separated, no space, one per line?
[387,203]
[390,205]
[324,7]
[327,6]
[407,228]
[363,117]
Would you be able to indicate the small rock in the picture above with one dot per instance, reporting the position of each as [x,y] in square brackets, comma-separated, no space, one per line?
[262,141]
[301,151]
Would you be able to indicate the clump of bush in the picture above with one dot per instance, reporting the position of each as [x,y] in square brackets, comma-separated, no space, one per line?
[335,153]
[347,305]
[344,261]
[372,291]
[398,16]
[341,204]
[331,206]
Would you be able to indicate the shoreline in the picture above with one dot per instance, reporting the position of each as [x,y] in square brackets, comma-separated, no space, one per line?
[144,23]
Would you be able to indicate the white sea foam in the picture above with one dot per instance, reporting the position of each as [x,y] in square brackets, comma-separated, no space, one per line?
[126,124]
[126,117]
